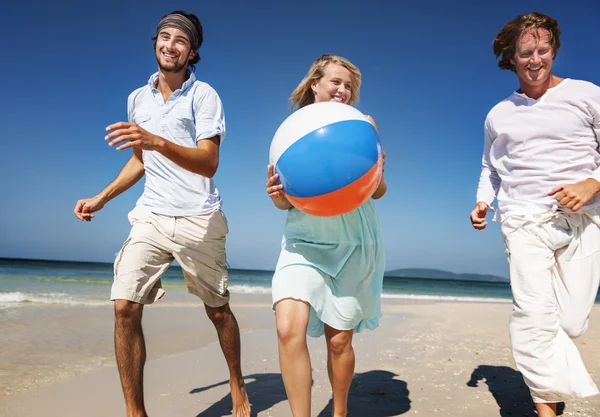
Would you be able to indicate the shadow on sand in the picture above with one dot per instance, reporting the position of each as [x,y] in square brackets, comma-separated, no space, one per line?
[373,394]
[509,390]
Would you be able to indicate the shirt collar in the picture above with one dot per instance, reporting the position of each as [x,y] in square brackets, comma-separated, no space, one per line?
[153,80]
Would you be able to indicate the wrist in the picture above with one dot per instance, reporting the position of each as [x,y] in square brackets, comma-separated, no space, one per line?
[102,199]
[595,184]
[281,202]
[161,143]
[281,199]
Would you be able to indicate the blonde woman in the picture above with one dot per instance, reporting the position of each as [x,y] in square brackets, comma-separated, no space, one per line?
[329,275]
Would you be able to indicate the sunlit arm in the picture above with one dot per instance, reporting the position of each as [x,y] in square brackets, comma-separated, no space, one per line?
[203,160]
[132,172]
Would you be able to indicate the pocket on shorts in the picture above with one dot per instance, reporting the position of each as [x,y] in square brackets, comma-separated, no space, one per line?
[221,261]
[218,222]
[215,224]
[224,222]
[137,214]
[119,257]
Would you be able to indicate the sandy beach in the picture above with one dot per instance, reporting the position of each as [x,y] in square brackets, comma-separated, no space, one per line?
[426,359]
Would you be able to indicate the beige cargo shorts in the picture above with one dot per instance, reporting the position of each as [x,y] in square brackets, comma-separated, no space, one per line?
[156,240]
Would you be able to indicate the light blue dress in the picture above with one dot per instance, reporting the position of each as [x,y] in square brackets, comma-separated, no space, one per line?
[336,264]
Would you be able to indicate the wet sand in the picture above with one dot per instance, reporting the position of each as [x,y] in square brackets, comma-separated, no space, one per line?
[426,359]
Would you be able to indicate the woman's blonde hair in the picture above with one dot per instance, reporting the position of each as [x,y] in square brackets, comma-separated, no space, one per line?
[303,94]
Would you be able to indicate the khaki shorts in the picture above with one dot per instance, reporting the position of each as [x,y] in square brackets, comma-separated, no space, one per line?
[155,240]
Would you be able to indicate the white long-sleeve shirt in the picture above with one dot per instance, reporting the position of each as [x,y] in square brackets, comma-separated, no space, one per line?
[534,145]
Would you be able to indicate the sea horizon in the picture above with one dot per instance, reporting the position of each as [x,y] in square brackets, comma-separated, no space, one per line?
[176,266]
[27,282]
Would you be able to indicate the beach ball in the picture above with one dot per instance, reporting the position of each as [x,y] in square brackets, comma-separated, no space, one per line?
[328,157]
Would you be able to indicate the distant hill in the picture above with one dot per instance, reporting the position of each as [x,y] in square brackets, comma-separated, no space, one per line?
[425,273]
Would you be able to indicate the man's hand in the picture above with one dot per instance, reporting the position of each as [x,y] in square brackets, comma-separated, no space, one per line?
[478,215]
[133,136]
[575,196]
[85,207]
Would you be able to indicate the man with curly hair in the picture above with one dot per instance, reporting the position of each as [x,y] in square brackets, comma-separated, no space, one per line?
[541,162]
[175,126]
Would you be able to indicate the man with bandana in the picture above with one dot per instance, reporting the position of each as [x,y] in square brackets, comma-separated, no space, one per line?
[175,126]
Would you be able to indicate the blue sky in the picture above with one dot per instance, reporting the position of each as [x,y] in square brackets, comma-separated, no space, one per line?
[429,79]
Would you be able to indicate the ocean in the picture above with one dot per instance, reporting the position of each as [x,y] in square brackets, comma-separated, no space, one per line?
[31,282]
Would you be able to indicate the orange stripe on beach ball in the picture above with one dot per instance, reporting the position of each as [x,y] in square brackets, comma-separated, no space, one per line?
[343,200]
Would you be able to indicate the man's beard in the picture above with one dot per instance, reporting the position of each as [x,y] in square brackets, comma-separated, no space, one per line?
[173,67]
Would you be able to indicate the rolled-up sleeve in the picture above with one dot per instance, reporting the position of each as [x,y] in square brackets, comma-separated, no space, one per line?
[209,115]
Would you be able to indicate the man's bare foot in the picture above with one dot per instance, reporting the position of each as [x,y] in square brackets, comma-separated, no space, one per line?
[239,398]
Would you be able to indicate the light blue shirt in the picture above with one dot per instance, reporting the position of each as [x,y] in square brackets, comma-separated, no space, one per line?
[192,113]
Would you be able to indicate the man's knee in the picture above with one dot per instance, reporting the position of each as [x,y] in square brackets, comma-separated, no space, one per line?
[126,310]
[574,325]
[218,315]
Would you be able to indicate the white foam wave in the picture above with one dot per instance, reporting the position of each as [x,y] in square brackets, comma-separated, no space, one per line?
[462,299]
[19,298]
[12,298]
[249,289]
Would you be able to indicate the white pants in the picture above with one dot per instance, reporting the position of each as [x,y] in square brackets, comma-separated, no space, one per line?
[555,273]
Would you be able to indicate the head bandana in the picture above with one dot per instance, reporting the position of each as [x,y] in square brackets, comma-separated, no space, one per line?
[182,23]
